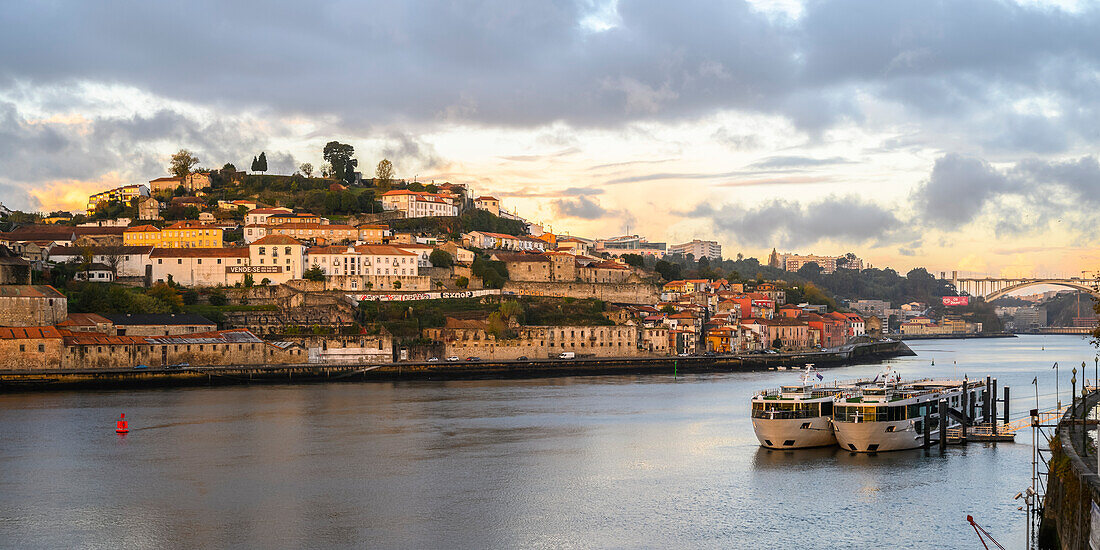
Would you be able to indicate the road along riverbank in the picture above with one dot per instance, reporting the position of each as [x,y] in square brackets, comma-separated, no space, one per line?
[302,373]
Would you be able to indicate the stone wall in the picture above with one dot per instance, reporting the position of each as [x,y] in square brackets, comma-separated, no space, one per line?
[32,311]
[24,354]
[1072,486]
[626,293]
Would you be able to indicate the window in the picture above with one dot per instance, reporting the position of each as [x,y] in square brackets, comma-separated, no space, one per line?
[200,261]
[22,348]
[41,348]
[160,261]
[179,261]
[219,261]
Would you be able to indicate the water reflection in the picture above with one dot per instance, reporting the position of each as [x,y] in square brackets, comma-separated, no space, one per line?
[620,461]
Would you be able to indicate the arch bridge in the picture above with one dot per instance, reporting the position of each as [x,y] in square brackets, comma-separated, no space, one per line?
[991,288]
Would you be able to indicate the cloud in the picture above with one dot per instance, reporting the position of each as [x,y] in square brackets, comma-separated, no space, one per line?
[957,191]
[581,207]
[408,152]
[569,192]
[792,224]
[1024,197]
[798,162]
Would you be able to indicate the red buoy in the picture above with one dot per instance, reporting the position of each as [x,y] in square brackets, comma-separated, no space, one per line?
[122,427]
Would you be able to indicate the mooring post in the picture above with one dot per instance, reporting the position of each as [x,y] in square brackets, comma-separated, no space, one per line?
[973,405]
[993,405]
[966,421]
[1006,406]
[943,426]
[927,429]
[985,402]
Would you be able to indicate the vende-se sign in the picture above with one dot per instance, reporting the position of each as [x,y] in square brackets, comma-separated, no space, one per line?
[956,300]
[254,269]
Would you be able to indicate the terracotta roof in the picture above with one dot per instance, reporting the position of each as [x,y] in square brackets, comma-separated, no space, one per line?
[95,338]
[310,226]
[227,252]
[372,226]
[83,319]
[275,239]
[168,178]
[277,210]
[22,333]
[30,291]
[97,250]
[609,264]
[191,224]
[141,228]
[486,198]
[382,250]
[130,319]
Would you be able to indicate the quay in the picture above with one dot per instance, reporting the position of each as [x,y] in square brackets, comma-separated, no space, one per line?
[1069,510]
[31,380]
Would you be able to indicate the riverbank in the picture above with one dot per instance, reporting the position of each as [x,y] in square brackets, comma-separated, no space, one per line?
[953,336]
[312,373]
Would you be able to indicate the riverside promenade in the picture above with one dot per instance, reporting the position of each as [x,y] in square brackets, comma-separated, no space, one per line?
[303,373]
[1071,505]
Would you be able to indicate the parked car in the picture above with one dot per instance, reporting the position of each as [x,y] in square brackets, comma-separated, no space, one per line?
[453,358]
[685,354]
[141,366]
[521,358]
[473,359]
[433,359]
[567,355]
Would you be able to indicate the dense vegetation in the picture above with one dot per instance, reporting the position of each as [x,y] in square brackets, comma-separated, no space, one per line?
[405,320]
[470,220]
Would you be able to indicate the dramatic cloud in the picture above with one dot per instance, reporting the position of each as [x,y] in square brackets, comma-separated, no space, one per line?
[957,190]
[580,207]
[792,224]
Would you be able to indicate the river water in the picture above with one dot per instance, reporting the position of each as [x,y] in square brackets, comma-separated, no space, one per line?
[579,462]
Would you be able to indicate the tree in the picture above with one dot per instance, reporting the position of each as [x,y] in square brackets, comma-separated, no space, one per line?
[217,298]
[182,162]
[635,260]
[667,309]
[228,169]
[337,155]
[248,280]
[669,271]
[306,169]
[349,170]
[383,175]
[255,164]
[261,162]
[441,258]
[325,169]
[166,294]
[462,282]
[397,285]
[314,274]
[510,310]
[777,343]
[112,256]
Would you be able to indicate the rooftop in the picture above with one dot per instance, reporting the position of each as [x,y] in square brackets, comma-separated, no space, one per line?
[20,333]
[275,239]
[157,319]
[228,252]
[30,291]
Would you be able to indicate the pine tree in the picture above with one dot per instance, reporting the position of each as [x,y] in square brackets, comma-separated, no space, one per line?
[255,164]
[262,161]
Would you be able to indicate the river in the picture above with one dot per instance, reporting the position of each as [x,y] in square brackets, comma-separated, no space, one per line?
[578,462]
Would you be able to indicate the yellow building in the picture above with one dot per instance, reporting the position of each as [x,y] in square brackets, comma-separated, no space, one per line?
[185,234]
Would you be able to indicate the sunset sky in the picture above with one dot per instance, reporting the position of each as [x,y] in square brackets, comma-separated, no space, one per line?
[949,135]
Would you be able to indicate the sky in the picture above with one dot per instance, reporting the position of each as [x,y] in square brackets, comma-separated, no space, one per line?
[946,135]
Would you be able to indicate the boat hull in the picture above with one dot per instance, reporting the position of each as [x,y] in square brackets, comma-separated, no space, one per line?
[876,437]
[796,433]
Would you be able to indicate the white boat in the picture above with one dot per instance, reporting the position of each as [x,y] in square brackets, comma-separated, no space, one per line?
[890,415]
[798,415]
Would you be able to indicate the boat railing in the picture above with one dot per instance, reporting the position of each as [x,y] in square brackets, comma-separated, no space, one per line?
[784,415]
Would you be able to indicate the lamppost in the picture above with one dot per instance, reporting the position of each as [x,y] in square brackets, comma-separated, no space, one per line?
[1056,391]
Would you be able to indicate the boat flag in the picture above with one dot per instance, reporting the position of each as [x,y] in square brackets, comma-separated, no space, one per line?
[819,377]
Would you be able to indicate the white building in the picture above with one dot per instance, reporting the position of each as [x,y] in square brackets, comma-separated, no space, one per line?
[200,266]
[259,216]
[698,249]
[418,204]
[277,258]
[131,259]
[500,241]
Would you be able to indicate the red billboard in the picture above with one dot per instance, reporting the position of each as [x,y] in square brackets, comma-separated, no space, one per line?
[956,300]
